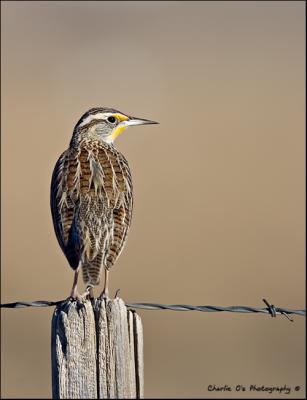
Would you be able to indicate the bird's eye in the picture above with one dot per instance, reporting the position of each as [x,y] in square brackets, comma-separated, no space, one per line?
[112,119]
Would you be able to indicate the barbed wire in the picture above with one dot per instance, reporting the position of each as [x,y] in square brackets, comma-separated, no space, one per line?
[270,309]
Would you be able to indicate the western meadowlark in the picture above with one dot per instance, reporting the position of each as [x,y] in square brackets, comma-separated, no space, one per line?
[92,196]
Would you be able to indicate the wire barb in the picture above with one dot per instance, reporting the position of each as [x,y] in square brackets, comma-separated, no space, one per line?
[270,309]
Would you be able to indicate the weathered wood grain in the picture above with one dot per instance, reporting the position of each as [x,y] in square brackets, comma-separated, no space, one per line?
[139,353]
[97,351]
[74,352]
[119,348]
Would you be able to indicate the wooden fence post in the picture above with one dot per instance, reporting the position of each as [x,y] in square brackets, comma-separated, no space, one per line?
[97,351]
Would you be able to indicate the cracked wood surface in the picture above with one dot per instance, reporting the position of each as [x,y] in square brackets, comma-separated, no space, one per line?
[97,351]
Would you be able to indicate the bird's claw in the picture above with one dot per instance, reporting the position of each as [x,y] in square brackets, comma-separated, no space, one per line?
[76,296]
[104,295]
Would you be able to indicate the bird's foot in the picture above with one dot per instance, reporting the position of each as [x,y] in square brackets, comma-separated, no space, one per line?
[116,293]
[104,294]
[75,295]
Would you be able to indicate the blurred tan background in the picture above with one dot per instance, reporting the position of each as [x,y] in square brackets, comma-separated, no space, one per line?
[219,184]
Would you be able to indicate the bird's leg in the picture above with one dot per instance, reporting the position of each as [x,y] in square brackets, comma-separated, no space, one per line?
[105,293]
[74,291]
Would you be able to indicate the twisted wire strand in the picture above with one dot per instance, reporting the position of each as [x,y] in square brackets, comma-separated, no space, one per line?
[270,309]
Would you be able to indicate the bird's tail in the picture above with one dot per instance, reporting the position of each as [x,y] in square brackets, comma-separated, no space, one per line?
[91,271]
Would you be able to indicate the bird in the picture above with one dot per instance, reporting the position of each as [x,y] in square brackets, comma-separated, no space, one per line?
[91,197]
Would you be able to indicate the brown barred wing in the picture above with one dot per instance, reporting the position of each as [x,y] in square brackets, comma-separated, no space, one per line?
[63,210]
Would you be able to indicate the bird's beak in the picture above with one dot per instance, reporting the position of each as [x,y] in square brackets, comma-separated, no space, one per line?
[138,121]
[129,122]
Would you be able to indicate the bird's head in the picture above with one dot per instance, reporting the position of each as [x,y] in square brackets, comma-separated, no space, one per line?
[107,123]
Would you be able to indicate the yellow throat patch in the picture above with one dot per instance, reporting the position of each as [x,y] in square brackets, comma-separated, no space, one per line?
[119,129]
